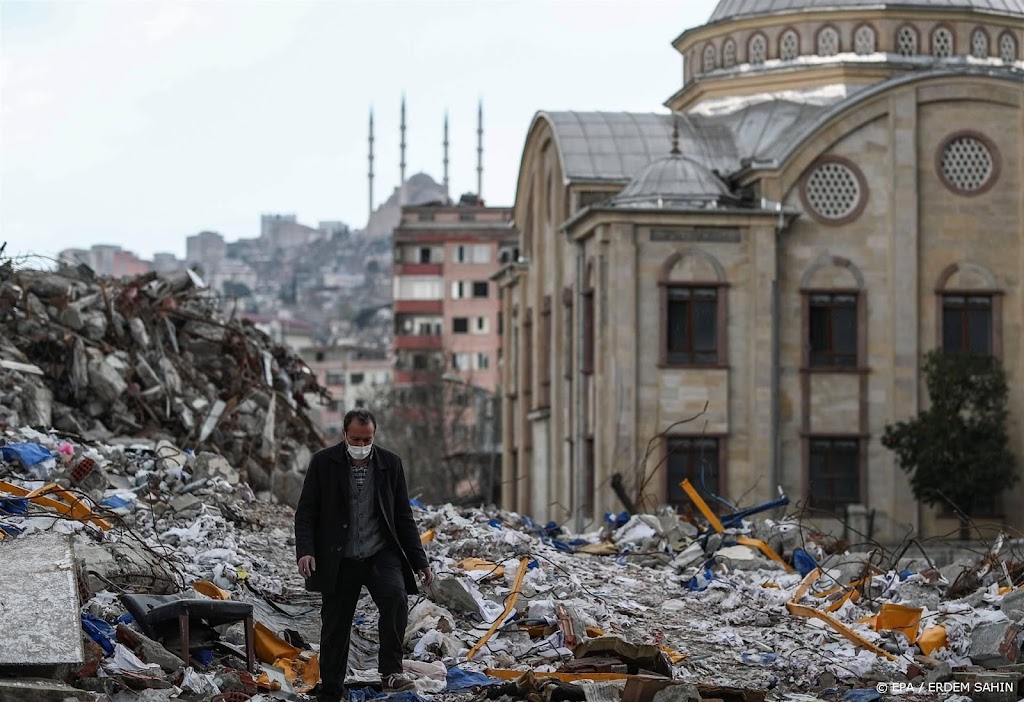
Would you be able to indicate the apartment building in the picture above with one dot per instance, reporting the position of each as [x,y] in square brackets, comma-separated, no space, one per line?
[447,309]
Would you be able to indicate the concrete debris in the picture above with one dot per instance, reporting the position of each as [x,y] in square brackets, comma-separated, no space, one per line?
[151,356]
[588,604]
[137,427]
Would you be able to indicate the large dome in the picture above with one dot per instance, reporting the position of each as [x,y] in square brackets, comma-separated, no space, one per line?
[728,9]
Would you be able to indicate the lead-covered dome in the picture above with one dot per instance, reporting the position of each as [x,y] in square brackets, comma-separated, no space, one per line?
[730,9]
[675,181]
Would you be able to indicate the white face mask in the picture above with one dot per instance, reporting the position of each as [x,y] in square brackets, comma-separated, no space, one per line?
[359,452]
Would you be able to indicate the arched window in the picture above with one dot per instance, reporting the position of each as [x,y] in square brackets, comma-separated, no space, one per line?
[1007,47]
[979,43]
[832,291]
[789,45]
[693,302]
[757,49]
[828,42]
[864,40]
[942,42]
[709,58]
[729,54]
[906,41]
[969,310]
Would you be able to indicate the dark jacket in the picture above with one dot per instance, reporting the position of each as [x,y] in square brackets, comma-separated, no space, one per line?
[322,515]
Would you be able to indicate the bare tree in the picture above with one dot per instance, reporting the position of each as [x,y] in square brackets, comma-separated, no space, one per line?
[437,425]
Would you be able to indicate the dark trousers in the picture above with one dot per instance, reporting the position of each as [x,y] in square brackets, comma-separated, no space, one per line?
[382,576]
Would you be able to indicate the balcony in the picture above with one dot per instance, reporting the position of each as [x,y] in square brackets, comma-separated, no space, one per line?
[418,268]
[411,377]
[419,306]
[418,341]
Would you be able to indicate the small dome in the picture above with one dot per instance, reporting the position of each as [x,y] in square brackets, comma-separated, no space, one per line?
[674,181]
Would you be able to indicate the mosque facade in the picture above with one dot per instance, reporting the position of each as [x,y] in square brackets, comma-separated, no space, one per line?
[739,289]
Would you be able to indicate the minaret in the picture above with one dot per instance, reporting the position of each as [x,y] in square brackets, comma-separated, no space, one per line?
[446,152]
[371,161]
[480,150]
[401,163]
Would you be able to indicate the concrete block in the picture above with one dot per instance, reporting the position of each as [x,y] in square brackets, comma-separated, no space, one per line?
[1013,605]
[677,693]
[105,381]
[450,593]
[210,465]
[147,649]
[997,644]
[42,690]
[186,503]
[41,624]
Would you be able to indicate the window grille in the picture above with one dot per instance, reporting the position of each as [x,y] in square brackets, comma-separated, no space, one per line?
[758,49]
[833,190]
[828,42]
[906,41]
[942,43]
[709,58]
[979,44]
[729,54]
[864,40]
[789,45]
[966,164]
[1007,48]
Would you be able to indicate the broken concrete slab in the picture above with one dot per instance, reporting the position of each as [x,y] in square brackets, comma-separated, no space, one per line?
[43,690]
[148,650]
[186,503]
[451,593]
[210,465]
[996,644]
[677,693]
[106,381]
[1013,605]
[38,575]
[635,656]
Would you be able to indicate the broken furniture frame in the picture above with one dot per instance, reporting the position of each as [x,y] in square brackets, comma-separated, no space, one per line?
[716,524]
[68,503]
[153,612]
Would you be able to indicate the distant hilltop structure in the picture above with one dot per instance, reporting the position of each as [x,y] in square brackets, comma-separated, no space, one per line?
[420,189]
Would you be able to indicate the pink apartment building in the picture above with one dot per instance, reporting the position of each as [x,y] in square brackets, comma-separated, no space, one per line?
[447,309]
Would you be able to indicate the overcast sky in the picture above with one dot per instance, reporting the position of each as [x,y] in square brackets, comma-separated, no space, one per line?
[140,123]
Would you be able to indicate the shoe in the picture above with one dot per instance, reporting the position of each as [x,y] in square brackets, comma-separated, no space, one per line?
[322,695]
[397,682]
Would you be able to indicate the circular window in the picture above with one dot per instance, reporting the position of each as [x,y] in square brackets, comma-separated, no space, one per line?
[968,164]
[834,191]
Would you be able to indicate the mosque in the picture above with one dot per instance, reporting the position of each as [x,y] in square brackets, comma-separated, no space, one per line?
[739,289]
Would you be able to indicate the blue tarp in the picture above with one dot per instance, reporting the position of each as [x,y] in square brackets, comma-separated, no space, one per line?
[861,695]
[13,505]
[616,520]
[368,693]
[701,580]
[28,454]
[460,680]
[803,561]
[99,631]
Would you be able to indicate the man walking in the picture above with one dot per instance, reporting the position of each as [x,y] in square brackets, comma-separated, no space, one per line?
[354,527]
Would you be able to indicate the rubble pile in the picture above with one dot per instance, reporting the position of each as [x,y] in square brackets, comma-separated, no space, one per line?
[152,356]
[759,609]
